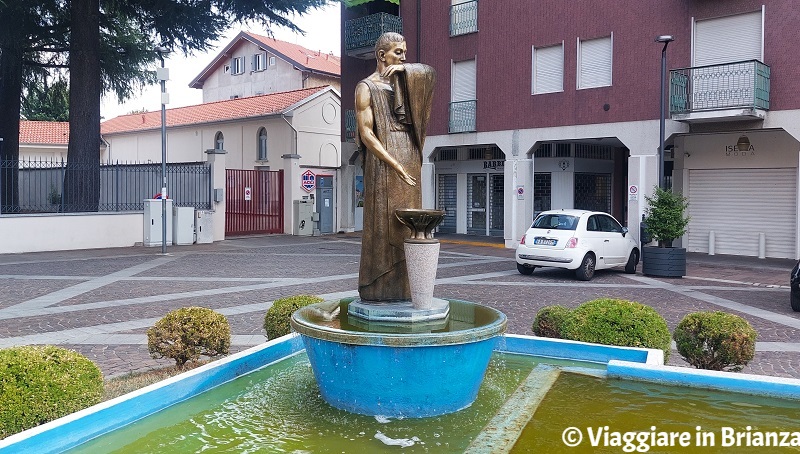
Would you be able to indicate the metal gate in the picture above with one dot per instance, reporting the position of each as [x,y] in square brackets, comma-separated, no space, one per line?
[254,202]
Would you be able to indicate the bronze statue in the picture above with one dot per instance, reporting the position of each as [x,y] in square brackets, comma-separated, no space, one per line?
[393,107]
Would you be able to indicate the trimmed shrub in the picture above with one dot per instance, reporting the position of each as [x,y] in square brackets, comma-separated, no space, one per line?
[276,321]
[715,340]
[550,321]
[187,333]
[42,383]
[612,321]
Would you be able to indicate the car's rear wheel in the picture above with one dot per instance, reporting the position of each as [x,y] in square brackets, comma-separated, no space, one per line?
[633,260]
[524,269]
[586,270]
[795,299]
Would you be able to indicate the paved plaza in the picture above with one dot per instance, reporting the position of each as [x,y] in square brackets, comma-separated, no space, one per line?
[101,302]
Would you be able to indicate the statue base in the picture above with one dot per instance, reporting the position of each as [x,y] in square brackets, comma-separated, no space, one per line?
[398,311]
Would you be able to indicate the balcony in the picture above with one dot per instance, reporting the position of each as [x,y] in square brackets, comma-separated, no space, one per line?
[360,34]
[350,125]
[730,92]
[462,116]
[464,18]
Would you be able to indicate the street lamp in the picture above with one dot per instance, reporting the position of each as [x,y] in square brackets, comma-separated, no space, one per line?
[666,39]
[163,76]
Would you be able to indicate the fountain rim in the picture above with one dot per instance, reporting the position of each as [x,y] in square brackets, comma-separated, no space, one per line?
[306,328]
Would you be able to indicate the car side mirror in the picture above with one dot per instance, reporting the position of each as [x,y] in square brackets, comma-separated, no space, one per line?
[624,231]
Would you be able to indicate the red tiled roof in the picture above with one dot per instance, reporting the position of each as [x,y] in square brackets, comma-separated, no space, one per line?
[311,59]
[43,132]
[232,109]
[304,59]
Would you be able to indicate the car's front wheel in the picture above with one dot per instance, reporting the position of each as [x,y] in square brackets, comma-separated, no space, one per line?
[633,260]
[795,299]
[524,269]
[586,270]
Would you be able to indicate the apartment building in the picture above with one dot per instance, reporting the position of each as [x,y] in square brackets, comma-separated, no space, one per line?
[550,104]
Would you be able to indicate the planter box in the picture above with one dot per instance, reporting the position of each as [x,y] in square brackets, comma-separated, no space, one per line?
[664,262]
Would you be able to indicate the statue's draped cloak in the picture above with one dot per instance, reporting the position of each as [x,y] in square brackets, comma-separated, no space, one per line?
[400,118]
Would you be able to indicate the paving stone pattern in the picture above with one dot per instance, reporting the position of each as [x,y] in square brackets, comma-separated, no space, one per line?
[101,302]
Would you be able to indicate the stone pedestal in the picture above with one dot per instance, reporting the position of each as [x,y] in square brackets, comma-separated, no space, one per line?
[422,259]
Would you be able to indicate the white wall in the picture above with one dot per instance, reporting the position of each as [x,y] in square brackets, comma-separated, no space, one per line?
[60,232]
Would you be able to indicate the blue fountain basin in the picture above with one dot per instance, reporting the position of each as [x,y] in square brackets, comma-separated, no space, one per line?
[400,370]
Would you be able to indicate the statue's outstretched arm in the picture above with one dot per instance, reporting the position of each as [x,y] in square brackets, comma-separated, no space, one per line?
[365,121]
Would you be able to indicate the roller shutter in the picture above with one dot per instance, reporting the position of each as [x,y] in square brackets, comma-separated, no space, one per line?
[728,39]
[738,204]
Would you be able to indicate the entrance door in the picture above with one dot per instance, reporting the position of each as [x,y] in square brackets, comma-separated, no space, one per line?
[476,203]
[446,201]
[325,203]
[496,212]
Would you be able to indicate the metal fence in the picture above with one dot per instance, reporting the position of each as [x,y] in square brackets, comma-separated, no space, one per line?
[742,84]
[464,18]
[122,186]
[462,116]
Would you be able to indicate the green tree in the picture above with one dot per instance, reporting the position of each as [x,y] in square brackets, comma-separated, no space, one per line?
[47,101]
[185,24]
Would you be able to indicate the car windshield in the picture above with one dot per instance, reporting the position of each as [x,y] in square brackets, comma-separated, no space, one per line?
[555,221]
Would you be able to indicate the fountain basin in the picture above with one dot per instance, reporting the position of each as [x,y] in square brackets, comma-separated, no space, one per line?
[393,373]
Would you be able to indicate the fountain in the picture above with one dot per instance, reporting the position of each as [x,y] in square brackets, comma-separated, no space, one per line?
[418,358]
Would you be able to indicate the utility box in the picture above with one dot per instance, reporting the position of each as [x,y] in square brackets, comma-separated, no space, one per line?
[303,224]
[153,222]
[204,227]
[182,225]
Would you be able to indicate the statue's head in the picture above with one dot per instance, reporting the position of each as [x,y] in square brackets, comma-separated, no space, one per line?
[386,42]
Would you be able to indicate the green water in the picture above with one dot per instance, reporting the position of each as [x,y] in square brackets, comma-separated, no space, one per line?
[624,406]
[278,409]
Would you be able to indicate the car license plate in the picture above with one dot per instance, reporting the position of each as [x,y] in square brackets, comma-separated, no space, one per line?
[545,241]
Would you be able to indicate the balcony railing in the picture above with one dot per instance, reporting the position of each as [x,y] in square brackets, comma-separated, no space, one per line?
[464,18]
[360,34]
[462,116]
[740,85]
[350,125]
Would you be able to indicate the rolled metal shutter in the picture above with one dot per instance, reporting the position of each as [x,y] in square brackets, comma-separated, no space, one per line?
[737,205]
[728,39]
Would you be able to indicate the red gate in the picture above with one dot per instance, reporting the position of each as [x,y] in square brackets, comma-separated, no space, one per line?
[254,202]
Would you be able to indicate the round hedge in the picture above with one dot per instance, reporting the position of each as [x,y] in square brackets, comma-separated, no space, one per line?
[618,322]
[715,340]
[42,383]
[187,333]
[550,321]
[276,320]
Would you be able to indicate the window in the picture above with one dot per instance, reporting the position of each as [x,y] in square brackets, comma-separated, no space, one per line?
[594,62]
[548,69]
[237,65]
[463,17]
[272,61]
[260,61]
[219,141]
[262,144]
[462,95]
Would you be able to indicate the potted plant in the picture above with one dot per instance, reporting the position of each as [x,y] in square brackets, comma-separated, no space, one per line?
[666,220]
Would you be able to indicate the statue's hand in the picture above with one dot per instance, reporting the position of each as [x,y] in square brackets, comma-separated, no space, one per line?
[411,181]
[392,69]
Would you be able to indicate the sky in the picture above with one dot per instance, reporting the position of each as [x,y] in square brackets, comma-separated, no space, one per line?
[322,33]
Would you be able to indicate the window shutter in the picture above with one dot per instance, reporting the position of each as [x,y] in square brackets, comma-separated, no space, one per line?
[728,39]
[548,69]
[464,81]
[595,63]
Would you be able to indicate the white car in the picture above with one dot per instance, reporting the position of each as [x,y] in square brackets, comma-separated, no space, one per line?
[577,240]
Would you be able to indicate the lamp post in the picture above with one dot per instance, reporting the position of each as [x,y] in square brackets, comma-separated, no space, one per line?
[666,39]
[163,77]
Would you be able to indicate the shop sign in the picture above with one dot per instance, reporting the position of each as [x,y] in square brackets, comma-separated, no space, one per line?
[494,164]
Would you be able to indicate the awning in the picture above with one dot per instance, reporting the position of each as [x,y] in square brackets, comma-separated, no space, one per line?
[349,3]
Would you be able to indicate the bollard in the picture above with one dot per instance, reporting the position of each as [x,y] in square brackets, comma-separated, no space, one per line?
[711,242]
[762,245]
